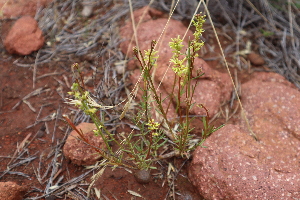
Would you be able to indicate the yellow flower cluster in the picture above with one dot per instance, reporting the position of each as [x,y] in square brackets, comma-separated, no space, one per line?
[152,125]
[179,65]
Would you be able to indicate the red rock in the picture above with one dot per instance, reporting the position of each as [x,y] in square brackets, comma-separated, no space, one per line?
[145,14]
[272,77]
[12,191]
[80,153]
[24,37]
[236,166]
[269,97]
[17,8]
[255,59]
[207,93]
[211,92]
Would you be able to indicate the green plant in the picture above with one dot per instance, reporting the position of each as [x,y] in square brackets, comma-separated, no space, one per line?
[139,150]
[266,33]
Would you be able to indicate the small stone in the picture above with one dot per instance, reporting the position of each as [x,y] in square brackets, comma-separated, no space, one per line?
[87,10]
[24,37]
[41,132]
[89,81]
[12,191]
[255,59]
[143,176]
[120,67]
[17,8]
[80,153]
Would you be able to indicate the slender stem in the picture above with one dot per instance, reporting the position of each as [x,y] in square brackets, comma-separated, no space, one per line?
[150,144]
[155,95]
[161,109]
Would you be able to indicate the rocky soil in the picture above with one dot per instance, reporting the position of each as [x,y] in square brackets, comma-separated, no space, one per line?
[255,156]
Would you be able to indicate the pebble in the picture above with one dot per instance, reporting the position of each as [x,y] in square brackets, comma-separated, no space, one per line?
[255,59]
[87,10]
[143,176]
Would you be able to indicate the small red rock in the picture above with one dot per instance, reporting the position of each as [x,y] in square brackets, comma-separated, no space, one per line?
[24,37]
[255,59]
[12,191]
[17,8]
[80,153]
[142,176]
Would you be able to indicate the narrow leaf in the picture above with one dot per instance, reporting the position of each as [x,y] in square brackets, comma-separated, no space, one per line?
[134,193]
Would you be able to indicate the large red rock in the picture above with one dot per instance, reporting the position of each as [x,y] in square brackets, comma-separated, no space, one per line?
[79,152]
[236,166]
[24,37]
[17,8]
[213,88]
[270,99]
[12,191]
